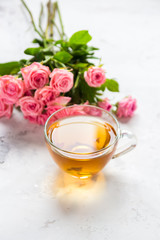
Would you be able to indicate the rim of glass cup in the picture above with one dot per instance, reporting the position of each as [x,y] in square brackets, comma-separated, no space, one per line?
[73,153]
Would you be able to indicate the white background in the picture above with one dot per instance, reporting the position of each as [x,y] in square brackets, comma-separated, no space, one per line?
[38,203]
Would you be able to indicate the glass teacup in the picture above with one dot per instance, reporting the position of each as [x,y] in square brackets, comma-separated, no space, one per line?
[83,138]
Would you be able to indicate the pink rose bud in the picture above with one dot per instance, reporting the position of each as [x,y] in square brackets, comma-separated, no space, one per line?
[52,109]
[5,110]
[86,103]
[11,89]
[46,95]
[105,104]
[30,106]
[35,75]
[95,76]
[61,80]
[60,101]
[126,107]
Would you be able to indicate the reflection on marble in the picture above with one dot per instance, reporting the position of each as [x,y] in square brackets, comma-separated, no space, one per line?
[73,192]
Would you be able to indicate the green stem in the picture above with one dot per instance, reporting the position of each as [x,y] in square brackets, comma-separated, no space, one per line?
[98,99]
[48,21]
[46,61]
[40,18]
[51,66]
[77,81]
[52,19]
[58,63]
[60,19]
[45,43]
[32,20]
[60,34]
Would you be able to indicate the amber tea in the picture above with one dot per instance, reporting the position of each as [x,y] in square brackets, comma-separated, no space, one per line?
[76,139]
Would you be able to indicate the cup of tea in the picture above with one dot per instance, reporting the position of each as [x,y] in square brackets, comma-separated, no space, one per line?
[83,138]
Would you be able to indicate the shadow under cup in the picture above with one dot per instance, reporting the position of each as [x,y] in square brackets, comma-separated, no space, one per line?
[84,165]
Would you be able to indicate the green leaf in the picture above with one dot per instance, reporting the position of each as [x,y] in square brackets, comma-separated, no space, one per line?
[63,44]
[63,56]
[77,81]
[80,38]
[92,57]
[101,65]
[90,48]
[81,65]
[40,42]
[102,87]
[38,57]
[112,85]
[50,40]
[99,94]
[79,53]
[45,52]
[32,51]
[87,92]
[58,42]
[9,68]
[23,62]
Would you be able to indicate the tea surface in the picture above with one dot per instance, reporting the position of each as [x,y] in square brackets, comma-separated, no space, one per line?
[81,134]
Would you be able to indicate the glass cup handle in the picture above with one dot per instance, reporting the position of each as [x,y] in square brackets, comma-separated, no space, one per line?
[131,144]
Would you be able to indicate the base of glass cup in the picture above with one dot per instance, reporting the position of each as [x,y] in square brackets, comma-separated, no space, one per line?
[80,176]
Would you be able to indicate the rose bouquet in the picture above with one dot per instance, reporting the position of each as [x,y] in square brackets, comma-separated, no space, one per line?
[60,72]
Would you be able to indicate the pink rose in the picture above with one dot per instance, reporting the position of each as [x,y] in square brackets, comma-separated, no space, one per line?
[105,104]
[46,95]
[52,109]
[93,111]
[60,101]
[32,119]
[5,110]
[126,107]
[64,112]
[11,89]
[40,119]
[61,80]
[28,93]
[76,110]
[30,106]
[35,75]
[95,76]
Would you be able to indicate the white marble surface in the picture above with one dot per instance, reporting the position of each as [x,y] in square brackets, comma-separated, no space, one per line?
[36,202]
